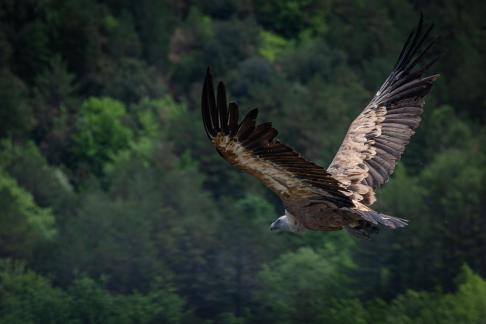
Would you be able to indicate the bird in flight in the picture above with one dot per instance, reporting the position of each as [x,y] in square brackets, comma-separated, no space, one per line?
[340,196]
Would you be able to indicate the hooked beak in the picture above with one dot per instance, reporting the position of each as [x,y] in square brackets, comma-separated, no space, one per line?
[273,227]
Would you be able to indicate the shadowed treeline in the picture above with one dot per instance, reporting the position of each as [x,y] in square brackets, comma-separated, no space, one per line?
[115,208]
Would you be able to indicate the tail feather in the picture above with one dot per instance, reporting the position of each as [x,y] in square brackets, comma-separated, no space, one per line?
[386,220]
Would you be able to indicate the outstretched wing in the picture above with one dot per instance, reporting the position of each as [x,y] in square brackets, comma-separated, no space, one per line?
[253,149]
[377,138]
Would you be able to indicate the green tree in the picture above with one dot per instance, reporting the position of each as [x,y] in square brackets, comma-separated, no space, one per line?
[94,304]
[23,224]
[49,186]
[299,285]
[243,246]
[26,297]
[100,133]
[16,118]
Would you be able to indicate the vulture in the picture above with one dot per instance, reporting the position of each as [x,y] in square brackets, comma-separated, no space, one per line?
[340,196]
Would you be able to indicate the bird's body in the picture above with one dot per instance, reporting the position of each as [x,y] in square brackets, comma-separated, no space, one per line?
[305,214]
[319,217]
[337,197]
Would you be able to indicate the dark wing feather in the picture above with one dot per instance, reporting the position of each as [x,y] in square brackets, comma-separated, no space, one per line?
[253,149]
[377,137]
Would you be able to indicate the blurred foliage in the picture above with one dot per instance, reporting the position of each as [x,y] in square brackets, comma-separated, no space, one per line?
[272,45]
[114,207]
[99,133]
[27,297]
[23,223]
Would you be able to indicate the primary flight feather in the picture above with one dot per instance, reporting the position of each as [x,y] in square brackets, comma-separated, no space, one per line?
[337,197]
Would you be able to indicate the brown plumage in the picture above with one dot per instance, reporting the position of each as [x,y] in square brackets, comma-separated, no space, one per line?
[336,198]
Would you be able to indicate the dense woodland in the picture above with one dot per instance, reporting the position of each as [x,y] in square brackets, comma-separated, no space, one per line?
[115,208]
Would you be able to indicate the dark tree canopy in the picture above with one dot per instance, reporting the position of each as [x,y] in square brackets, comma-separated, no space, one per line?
[114,208]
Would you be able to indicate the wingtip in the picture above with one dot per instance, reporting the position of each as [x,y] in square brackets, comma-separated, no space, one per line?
[419,26]
[209,75]
[208,105]
[221,86]
[253,113]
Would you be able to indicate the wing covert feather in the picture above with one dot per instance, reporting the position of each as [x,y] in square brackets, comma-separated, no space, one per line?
[377,138]
[253,149]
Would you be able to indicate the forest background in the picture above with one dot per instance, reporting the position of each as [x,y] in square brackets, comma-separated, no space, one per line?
[114,207]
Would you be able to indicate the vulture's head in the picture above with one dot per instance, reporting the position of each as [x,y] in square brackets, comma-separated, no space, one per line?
[285,224]
[281,224]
